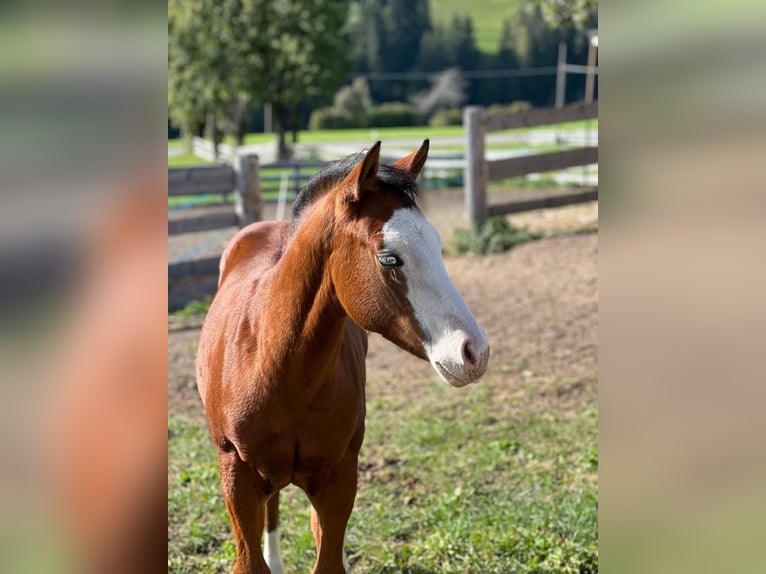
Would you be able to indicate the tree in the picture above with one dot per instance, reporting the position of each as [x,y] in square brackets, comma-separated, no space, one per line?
[404,23]
[536,44]
[462,45]
[387,33]
[447,91]
[306,57]
[463,51]
[506,89]
[387,37]
[201,82]
[433,54]
[354,100]
[224,55]
[572,14]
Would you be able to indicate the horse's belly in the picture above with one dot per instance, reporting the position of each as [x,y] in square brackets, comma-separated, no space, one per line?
[306,465]
[301,447]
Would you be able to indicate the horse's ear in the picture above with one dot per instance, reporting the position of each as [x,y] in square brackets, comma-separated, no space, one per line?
[362,177]
[414,162]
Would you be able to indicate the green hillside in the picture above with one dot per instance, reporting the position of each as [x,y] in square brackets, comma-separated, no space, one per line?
[488,17]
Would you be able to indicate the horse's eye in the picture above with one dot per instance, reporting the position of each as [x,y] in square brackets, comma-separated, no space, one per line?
[390,260]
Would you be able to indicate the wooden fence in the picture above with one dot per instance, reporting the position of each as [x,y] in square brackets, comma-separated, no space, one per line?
[240,178]
[479,171]
[190,278]
[296,173]
[251,184]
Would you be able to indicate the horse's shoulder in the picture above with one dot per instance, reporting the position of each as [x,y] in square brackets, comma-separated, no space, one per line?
[254,249]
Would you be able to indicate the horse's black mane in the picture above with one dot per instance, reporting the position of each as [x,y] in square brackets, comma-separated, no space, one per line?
[389,178]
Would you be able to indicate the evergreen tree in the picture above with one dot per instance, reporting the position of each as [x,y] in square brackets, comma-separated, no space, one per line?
[576,14]
[462,45]
[404,22]
[433,55]
[453,47]
[387,36]
[506,90]
[465,55]
[537,43]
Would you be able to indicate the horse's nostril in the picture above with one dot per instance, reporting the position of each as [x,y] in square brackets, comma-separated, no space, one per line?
[469,354]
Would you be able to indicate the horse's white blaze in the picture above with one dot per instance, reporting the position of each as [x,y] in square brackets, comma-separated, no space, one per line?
[271,553]
[447,323]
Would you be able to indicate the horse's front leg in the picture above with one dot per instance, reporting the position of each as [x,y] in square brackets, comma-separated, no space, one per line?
[246,506]
[331,509]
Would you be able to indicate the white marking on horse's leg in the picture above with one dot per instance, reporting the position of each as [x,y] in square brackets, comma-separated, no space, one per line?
[271,552]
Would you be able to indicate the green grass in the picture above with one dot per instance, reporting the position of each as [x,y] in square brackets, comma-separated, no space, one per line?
[199,307]
[186,160]
[409,132]
[363,134]
[501,147]
[457,481]
[175,201]
[488,17]
[369,135]
[495,235]
[545,181]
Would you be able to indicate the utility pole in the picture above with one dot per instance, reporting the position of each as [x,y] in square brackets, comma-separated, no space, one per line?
[590,77]
[561,81]
[561,75]
[589,84]
[267,118]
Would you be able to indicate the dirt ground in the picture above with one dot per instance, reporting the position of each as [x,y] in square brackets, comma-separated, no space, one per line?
[538,304]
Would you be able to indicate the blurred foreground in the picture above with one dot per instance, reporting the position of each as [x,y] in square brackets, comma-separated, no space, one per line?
[682,278]
[82,289]
[83,280]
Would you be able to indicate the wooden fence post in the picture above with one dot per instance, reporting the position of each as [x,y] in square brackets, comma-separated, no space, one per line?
[248,192]
[475,175]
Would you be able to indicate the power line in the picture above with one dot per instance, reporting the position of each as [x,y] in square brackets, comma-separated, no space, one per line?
[467,74]
[578,69]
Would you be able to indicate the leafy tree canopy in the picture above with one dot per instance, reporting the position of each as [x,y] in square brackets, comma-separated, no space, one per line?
[569,14]
[277,51]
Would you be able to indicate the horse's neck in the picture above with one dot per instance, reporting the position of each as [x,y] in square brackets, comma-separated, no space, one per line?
[301,320]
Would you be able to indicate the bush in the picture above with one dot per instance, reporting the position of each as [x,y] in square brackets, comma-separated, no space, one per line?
[354,100]
[494,236]
[330,119]
[452,117]
[512,108]
[392,114]
[196,307]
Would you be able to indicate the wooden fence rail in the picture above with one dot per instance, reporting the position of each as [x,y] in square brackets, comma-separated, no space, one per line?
[479,171]
[205,222]
[542,117]
[196,180]
[184,269]
[190,278]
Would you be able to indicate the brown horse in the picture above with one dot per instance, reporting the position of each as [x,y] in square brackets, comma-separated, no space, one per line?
[281,368]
